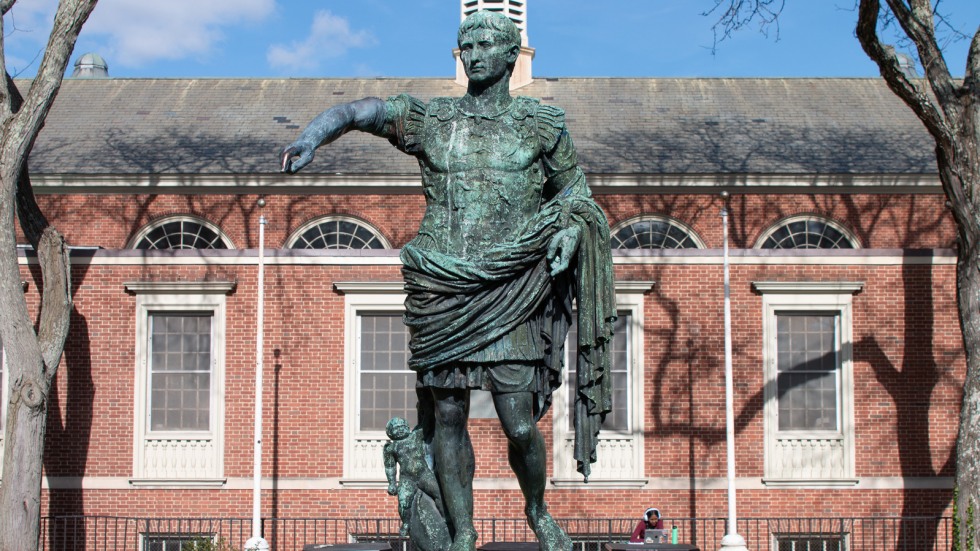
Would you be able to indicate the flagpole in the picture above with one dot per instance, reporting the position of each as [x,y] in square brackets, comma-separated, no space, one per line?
[732,541]
[256,542]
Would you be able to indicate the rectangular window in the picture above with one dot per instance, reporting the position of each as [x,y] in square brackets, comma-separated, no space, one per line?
[807,365]
[620,447]
[387,385]
[810,542]
[179,401]
[619,418]
[808,392]
[178,542]
[180,371]
[378,384]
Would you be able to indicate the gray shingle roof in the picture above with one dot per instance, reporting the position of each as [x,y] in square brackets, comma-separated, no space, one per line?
[620,126]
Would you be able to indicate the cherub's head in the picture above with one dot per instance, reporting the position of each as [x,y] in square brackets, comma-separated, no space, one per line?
[397,428]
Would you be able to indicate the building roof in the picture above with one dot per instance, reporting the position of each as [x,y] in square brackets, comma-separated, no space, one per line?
[619,125]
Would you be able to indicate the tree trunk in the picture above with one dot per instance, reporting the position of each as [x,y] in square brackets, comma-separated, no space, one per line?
[950,111]
[33,358]
[968,291]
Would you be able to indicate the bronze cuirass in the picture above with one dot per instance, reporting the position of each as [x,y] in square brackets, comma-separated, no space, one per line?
[481,176]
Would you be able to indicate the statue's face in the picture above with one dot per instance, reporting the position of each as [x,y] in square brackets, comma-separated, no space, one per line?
[485,57]
[400,431]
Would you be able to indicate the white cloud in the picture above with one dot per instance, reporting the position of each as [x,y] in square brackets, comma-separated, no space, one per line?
[330,37]
[140,31]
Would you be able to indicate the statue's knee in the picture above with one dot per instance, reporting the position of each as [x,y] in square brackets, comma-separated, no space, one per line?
[521,434]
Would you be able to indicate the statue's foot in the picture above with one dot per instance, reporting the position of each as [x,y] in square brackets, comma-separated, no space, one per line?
[550,536]
[404,529]
[465,540]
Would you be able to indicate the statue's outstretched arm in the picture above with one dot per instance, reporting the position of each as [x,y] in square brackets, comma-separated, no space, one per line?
[365,114]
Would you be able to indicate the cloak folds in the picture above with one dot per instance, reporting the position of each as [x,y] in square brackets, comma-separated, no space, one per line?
[456,306]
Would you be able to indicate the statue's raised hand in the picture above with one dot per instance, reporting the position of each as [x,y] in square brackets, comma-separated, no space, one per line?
[562,247]
[295,156]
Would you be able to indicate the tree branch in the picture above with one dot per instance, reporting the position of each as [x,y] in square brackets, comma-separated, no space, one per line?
[29,120]
[918,24]
[895,78]
[971,78]
[18,138]
[5,6]
[52,252]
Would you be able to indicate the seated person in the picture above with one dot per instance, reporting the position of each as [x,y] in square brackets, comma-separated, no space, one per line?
[651,521]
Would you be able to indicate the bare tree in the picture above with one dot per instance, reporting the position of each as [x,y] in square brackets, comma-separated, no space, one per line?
[32,354]
[950,110]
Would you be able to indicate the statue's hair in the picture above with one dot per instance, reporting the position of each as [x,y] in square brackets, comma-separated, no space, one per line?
[495,22]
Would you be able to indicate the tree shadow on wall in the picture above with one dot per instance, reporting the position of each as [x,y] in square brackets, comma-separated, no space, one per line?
[741,150]
[68,437]
[196,156]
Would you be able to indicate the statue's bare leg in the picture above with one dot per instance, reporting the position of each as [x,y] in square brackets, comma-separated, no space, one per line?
[455,464]
[526,454]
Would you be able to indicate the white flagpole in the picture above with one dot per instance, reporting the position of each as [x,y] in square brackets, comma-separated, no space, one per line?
[256,542]
[732,541]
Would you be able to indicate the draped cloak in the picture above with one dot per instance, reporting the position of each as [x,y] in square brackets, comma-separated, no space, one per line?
[457,305]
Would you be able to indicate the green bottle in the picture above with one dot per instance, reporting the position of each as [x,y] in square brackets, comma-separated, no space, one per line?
[673,535]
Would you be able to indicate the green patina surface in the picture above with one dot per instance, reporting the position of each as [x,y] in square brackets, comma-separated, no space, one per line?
[509,239]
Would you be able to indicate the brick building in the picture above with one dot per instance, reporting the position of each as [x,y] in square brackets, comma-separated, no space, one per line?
[848,357]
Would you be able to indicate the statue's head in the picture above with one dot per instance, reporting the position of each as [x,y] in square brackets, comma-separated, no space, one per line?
[397,428]
[503,36]
[500,25]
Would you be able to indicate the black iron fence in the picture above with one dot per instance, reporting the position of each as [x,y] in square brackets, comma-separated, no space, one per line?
[589,534]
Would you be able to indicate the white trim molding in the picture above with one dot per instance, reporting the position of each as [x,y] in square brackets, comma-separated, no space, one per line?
[363,461]
[620,453]
[179,458]
[810,458]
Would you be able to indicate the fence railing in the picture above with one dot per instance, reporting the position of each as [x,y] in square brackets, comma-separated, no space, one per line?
[106,533]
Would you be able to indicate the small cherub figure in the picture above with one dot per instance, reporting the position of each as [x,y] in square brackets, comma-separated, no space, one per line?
[406,450]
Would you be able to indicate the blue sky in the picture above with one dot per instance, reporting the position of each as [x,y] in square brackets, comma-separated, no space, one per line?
[406,38]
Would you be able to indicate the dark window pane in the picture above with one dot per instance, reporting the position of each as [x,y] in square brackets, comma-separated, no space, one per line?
[652,234]
[180,371]
[338,234]
[807,371]
[387,386]
[181,234]
[807,234]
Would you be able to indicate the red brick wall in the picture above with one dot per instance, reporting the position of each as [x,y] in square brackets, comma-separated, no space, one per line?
[908,361]
[877,220]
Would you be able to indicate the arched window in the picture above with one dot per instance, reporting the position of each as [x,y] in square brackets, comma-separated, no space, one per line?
[181,232]
[807,232]
[654,232]
[335,232]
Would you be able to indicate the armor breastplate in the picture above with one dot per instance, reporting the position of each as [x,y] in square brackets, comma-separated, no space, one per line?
[482,177]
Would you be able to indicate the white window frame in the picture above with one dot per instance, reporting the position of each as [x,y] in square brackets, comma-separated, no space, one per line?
[809,457]
[698,242]
[294,237]
[179,457]
[179,218]
[620,453]
[848,234]
[363,460]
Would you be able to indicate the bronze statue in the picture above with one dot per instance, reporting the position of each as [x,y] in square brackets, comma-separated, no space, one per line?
[488,276]
[404,455]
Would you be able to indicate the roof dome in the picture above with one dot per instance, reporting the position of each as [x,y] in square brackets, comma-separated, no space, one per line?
[91,65]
